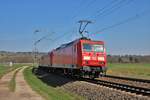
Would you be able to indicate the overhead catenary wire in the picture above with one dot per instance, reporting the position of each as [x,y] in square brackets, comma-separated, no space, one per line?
[114,5]
[82,6]
[115,8]
[138,15]
[100,13]
[114,1]
[103,8]
[110,8]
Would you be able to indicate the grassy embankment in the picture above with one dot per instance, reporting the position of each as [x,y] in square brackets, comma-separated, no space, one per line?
[136,70]
[48,92]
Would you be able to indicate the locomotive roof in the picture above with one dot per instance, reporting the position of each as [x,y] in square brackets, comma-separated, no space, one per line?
[67,44]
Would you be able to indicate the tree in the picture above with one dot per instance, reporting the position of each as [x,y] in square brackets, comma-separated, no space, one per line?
[131,59]
[120,60]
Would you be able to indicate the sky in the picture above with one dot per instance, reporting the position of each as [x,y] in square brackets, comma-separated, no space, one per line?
[124,25]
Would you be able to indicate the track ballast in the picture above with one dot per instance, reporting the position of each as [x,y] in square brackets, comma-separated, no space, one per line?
[120,86]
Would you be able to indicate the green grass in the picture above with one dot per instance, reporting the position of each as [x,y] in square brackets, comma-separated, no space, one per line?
[5,69]
[137,70]
[12,83]
[48,92]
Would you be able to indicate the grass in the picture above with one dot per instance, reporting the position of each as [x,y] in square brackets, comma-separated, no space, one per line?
[48,92]
[137,70]
[12,83]
[5,69]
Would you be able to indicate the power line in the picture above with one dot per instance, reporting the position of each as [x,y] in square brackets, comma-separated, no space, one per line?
[83,5]
[114,5]
[113,9]
[110,8]
[79,10]
[123,22]
[103,11]
[61,36]
[107,5]
[103,8]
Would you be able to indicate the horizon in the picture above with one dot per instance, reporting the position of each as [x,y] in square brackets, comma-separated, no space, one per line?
[124,30]
[47,52]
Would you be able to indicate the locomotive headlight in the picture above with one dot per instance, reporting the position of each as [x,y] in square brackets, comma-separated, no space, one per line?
[101,58]
[86,57]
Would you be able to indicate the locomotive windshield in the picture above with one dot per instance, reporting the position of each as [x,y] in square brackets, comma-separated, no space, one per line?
[98,48]
[87,47]
[93,47]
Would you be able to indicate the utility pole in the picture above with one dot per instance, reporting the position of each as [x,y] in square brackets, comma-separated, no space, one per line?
[83,25]
[35,51]
[35,48]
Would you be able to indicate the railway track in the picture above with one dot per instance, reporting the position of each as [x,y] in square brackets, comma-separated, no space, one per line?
[128,78]
[120,86]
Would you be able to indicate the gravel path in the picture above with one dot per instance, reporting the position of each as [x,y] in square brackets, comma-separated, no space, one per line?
[22,91]
[5,93]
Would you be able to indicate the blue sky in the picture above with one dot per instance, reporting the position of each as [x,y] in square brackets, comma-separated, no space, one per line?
[20,18]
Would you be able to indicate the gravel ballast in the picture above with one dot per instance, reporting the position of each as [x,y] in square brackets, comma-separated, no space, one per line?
[96,92]
[89,90]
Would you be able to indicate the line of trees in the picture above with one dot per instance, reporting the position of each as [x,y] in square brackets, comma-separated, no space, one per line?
[128,59]
[28,57]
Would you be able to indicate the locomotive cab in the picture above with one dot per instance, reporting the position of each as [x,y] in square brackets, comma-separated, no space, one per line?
[93,57]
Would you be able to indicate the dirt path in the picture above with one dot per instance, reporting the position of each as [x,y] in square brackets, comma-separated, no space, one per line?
[22,91]
[5,93]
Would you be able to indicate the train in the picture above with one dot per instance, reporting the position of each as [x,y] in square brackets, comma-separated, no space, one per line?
[82,57]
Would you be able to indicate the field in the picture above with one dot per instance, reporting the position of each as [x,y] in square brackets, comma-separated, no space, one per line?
[5,68]
[48,92]
[137,70]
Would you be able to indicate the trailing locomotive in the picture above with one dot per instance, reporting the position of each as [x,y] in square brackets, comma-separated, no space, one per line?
[82,57]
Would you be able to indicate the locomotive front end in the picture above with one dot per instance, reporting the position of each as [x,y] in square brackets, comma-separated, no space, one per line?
[94,57]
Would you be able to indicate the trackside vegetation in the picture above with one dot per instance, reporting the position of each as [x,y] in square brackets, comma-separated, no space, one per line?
[47,92]
[135,70]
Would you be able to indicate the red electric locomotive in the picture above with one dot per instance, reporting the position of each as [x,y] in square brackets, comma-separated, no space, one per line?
[81,57]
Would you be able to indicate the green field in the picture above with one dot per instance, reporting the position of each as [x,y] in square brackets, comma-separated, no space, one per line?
[48,92]
[136,70]
[5,68]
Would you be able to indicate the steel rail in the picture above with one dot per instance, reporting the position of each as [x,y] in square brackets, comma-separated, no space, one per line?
[119,86]
[128,78]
